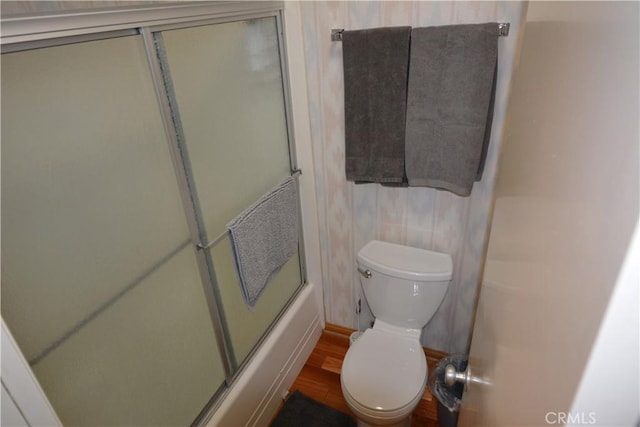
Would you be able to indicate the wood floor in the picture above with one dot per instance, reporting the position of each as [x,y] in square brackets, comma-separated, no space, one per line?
[320,376]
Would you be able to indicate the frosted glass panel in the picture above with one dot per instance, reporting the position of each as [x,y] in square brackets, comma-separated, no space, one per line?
[99,282]
[246,326]
[228,87]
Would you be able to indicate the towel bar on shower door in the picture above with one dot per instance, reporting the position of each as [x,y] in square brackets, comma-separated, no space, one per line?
[294,174]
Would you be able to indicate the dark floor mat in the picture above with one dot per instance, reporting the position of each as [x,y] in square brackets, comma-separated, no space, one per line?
[300,410]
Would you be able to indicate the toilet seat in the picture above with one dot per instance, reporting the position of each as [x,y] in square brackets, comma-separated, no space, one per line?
[383,374]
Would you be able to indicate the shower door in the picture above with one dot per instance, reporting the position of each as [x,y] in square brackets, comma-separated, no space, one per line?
[118,281]
[225,81]
[99,283]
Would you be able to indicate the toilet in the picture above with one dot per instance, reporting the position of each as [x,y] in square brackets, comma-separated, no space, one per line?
[384,372]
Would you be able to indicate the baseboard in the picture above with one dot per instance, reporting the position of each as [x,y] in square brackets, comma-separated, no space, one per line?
[337,329]
[342,330]
[256,394]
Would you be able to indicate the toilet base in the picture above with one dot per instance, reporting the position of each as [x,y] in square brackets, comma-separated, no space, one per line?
[402,423]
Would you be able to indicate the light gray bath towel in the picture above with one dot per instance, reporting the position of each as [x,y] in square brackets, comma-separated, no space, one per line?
[450,104]
[376,64]
[264,237]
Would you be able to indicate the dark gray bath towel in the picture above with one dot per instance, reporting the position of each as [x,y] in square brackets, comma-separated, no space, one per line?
[263,238]
[450,104]
[376,64]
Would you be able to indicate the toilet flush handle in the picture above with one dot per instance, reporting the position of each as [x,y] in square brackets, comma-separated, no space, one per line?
[365,273]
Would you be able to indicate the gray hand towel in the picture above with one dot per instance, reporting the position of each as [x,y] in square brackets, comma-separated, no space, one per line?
[450,104]
[376,64]
[263,238]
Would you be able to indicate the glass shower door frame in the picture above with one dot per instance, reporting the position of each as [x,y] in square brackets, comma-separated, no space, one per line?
[153,42]
[148,33]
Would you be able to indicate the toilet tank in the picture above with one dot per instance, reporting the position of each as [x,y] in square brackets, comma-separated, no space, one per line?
[406,285]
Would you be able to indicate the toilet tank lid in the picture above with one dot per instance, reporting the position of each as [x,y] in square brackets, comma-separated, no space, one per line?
[406,262]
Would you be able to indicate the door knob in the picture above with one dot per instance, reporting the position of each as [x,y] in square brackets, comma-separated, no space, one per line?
[452,376]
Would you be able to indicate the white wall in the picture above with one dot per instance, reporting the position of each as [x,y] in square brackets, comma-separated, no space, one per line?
[23,401]
[617,344]
[566,207]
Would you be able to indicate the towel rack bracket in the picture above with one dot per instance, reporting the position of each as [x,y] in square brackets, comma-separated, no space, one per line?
[503,28]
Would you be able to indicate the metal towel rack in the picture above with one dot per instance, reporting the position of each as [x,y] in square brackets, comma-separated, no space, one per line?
[503,30]
[225,233]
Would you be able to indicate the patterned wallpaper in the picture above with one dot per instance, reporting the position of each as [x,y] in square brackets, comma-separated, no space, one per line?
[350,215]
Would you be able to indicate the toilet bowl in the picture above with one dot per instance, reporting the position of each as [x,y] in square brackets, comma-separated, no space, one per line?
[384,372]
[383,377]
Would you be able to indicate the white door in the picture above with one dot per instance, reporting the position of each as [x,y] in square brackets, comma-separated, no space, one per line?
[566,208]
